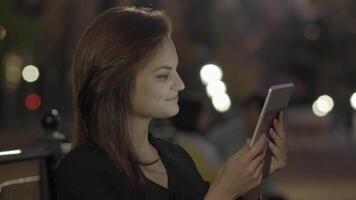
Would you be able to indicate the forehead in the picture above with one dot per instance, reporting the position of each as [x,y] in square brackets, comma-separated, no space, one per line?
[165,55]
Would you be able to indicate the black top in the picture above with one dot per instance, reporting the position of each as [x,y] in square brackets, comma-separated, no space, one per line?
[87,173]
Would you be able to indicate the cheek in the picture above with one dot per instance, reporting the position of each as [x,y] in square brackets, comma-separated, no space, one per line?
[150,97]
[156,92]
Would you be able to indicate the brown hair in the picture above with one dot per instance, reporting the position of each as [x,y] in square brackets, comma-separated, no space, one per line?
[104,67]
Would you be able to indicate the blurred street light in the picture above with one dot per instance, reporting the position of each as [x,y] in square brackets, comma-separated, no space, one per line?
[210,73]
[30,73]
[2,32]
[33,102]
[11,152]
[13,64]
[221,102]
[323,105]
[353,100]
[216,88]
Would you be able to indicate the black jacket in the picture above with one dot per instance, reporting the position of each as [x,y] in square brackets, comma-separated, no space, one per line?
[86,173]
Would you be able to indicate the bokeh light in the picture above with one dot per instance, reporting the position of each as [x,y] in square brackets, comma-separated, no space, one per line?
[317,111]
[30,73]
[221,102]
[54,112]
[323,105]
[2,32]
[12,73]
[210,73]
[11,152]
[353,100]
[215,88]
[33,102]
[13,65]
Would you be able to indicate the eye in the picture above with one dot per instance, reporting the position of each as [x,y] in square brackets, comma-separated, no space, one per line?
[163,76]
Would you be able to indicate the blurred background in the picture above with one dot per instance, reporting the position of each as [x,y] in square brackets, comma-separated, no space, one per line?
[230,53]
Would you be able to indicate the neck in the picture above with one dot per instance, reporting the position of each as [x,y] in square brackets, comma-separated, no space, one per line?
[138,129]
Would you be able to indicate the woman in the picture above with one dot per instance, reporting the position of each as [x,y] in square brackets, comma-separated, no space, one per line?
[125,74]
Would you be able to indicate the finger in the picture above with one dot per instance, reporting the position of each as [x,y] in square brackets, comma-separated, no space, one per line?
[257,161]
[258,148]
[259,172]
[276,152]
[278,126]
[274,149]
[280,117]
[276,138]
[278,164]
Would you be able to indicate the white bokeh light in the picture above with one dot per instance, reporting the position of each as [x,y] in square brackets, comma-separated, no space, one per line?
[316,110]
[210,73]
[221,102]
[215,88]
[30,73]
[353,100]
[54,112]
[325,103]
[11,152]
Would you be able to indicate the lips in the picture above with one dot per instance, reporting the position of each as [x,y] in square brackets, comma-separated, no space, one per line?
[172,98]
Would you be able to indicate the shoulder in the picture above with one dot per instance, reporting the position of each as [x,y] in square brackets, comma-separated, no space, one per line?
[83,173]
[85,157]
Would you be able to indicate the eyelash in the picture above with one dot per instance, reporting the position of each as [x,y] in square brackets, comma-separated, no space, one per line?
[163,76]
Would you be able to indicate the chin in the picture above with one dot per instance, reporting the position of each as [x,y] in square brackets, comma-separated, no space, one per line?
[168,113]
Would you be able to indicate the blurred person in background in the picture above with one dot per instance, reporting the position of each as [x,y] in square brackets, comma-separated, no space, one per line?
[124,74]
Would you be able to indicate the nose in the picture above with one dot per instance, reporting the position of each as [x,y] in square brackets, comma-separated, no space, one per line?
[179,84]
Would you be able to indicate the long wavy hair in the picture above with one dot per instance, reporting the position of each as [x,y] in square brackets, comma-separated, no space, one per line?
[106,61]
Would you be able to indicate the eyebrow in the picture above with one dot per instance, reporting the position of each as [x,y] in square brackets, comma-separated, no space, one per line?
[164,67]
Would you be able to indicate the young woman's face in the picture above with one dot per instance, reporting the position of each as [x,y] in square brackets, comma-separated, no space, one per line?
[158,84]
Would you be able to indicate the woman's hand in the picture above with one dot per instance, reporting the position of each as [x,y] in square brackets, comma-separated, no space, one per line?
[277,145]
[242,172]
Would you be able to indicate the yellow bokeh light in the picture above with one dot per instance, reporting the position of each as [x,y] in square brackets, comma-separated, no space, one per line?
[2,32]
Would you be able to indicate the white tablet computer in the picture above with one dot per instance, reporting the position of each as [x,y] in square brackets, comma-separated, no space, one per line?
[277,100]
